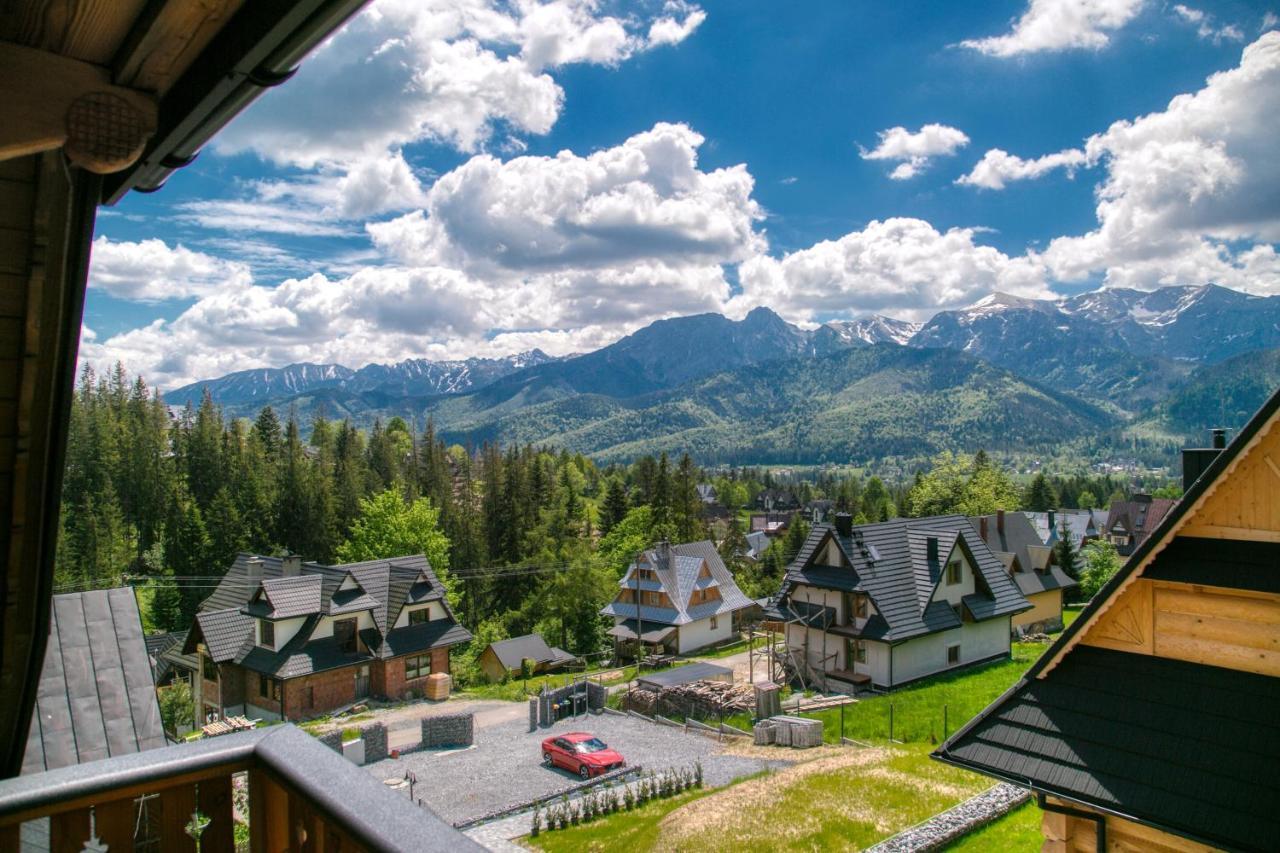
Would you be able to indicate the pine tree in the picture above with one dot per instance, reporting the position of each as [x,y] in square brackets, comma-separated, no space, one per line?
[614,508]
[1040,495]
[187,555]
[1065,551]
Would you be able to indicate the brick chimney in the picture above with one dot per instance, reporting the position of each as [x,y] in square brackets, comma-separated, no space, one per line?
[291,565]
[1052,525]
[982,527]
[1000,521]
[844,524]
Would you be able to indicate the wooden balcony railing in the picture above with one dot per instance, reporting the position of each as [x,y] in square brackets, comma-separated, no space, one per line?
[302,796]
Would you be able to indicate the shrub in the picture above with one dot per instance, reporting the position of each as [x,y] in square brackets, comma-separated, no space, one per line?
[697,774]
[536,827]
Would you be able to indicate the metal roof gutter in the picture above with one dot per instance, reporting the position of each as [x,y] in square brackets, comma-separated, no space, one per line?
[260,47]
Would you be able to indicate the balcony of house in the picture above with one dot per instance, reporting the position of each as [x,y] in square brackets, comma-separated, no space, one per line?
[301,796]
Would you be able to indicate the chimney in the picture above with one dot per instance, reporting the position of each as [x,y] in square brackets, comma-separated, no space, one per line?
[1196,459]
[1052,525]
[982,527]
[290,565]
[932,543]
[664,554]
[844,524]
[1000,521]
[254,566]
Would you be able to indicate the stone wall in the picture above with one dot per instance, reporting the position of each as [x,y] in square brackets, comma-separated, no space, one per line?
[374,736]
[448,730]
[333,740]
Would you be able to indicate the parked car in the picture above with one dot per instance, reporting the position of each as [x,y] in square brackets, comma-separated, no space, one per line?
[582,753]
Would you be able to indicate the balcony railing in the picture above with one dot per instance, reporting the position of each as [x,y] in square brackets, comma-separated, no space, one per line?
[302,796]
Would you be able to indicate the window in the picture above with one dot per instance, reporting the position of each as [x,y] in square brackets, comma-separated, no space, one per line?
[417,617]
[953,654]
[417,666]
[344,631]
[954,572]
[860,653]
[267,630]
[860,607]
[714,623]
[210,668]
[268,688]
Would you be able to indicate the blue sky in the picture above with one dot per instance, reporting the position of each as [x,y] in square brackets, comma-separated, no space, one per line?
[472,177]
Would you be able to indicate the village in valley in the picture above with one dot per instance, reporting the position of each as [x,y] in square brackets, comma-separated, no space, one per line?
[639,426]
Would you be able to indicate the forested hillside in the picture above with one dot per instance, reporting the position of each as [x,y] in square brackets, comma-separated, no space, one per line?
[527,538]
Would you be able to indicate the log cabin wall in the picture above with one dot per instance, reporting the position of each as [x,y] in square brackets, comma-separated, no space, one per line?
[46,223]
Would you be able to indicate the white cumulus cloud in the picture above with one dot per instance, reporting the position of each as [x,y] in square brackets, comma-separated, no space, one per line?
[998,167]
[903,267]
[152,271]
[1056,25]
[915,150]
[1205,26]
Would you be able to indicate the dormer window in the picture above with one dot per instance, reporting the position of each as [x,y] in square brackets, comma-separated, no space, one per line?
[417,617]
[267,633]
[344,633]
[954,572]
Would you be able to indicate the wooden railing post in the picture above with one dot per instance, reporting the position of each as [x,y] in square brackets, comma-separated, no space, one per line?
[268,814]
[215,803]
[176,805]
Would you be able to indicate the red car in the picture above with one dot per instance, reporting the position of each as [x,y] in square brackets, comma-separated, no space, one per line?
[581,753]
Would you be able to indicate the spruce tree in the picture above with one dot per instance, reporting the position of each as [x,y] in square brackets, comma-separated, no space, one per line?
[1040,494]
[614,508]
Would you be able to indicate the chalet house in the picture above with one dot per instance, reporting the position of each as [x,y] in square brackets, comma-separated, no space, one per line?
[707,493]
[506,658]
[1032,564]
[679,597]
[1083,525]
[776,500]
[1151,723]
[1130,522]
[819,511]
[886,604]
[757,542]
[772,524]
[280,638]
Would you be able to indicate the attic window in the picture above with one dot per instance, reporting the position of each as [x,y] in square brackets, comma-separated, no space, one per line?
[954,572]
[422,614]
[344,632]
[267,633]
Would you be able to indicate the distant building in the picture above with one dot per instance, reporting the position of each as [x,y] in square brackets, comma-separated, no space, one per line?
[819,511]
[707,493]
[679,597]
[772,524]
[757,542]
[1033,565]
[1084,525]
[1130,522]
[886,604]
[280,638]
[506,658]
[776,500]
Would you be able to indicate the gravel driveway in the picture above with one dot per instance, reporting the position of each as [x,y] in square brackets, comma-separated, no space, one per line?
[504,767]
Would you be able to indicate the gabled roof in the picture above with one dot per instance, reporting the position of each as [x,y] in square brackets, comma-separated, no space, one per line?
[889,561]
[677,568]
[1080,523]
[1020,540]
[157,647]
[382,587]
[1139,515]
[96,696]
[1187,747]
[513,652]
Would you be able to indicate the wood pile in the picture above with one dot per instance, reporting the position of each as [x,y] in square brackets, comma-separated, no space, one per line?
[703,699]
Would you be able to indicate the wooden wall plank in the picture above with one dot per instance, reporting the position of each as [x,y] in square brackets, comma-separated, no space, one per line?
[91,30]
[15,246]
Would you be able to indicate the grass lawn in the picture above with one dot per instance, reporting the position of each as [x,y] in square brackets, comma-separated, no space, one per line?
[918,710]
[844,799]
[1016,832]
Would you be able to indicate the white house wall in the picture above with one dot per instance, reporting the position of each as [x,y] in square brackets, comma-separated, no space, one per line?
[285,629]
[698,634]
[820,598]
[816,651]
[952,593]
[927,655]
[877,665]
[434,608]
[324,628]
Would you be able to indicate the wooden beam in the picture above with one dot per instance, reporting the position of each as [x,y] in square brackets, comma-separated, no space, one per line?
[90,30]
[54,102]
[1218,531]
[165,41]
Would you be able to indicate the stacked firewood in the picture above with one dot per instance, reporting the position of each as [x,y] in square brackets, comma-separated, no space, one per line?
[698,699]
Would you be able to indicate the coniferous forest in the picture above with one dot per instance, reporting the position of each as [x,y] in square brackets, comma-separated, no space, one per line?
[526,538]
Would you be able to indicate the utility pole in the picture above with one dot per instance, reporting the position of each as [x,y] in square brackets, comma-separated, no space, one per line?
[639,618]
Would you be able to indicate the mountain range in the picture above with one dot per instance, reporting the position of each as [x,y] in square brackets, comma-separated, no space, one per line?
[1006,371]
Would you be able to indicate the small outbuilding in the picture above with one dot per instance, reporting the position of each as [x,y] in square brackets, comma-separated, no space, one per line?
[506,657]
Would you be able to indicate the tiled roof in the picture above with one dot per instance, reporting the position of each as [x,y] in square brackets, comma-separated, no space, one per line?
[1019,539]
[225,632]
[677,575]
[96,697]
[889,561]
[157,646]
[513,652]
[1186,746]
[294,596]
